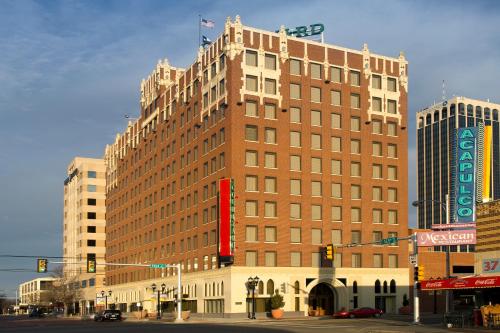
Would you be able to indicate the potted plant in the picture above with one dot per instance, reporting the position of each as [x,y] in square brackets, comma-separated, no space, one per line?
[405,309]
[277,304]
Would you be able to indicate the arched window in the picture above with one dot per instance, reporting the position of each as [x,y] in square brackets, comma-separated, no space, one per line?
[377,287]
[495,114]
[444,113]
[296,286]
[479,112]
[218,290]
[385,287]
[261,288]
[392,287]
[222,288]
[487,114]
[452,110]
[206,290]
[470,110]
[355,287]
[461,109]
[428,119]
[270,287]
[420,122]
[213,289]
[436,116]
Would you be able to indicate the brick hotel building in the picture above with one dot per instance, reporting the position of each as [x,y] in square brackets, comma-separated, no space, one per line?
[314,137]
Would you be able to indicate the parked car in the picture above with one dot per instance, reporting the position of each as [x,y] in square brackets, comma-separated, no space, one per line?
[108,315]
[38,313]
[358,313]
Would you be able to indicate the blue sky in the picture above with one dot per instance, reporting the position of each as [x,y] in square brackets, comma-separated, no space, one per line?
[70,70]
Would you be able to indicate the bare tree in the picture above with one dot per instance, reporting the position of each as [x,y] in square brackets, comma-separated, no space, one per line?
[64,291]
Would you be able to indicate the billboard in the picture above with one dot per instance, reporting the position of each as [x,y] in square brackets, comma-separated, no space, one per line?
[226,221]
[436,238]
[465,204]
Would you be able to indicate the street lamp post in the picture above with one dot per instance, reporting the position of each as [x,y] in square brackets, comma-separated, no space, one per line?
[446,209]
[158,303]
[103,294]
[252,284]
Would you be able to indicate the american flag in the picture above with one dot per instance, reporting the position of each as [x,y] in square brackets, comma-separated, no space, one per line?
[207,23]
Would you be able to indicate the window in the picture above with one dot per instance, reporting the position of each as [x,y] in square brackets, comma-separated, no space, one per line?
[355,101]
[336,213]
[392,194]
[295,164]
[336,121]
[270,86]
[315,259]
[377,260]
[377,171]
[376,82]
[295,187]
[251,208]
[355,192]
[295,115]
[391,129]
[316,188]
[356,260]
[336,236]
[251,233]
[355,236]
[251,184]
[393,261]
[251,83]
[295,235]
[295,91]
[92,202]
[316,165]
[392,172]
[91,188]
[271,185]
[315,118]
[270,209]
[377,236]
[295,140]
[355,124]
[316,94]
[315,141]
[392,217]
[270,135]
[336,167]
[376,148]
[377,216]
[251,109]
[355,214]
[251,133]
[270,160]
[391,106]
[335,97]
[295,211]
[295,67]
[355,146]
[91,174]
[91,229]
[251,258]
[355,169]
[376,104]
[270,234]
[270,259]
[376,126]
[316,237]
[377,193]
[270,111]
[251,58]
[336,190]
[295,259]
[270,61]
[336,74]
[91,215]
[251,158]
[336,143]
[391,84]
[316,213]
[91,242]
[392,150]
[316,71]
[355,78]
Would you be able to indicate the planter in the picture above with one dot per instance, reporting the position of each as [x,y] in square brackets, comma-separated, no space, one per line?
[184,314]
[277,313]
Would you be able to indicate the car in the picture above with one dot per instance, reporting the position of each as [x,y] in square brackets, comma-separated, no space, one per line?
[37,313]
[108,315]
[358,313]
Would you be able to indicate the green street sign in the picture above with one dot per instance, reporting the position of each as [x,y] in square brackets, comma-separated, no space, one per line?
[158,265]
[389,240]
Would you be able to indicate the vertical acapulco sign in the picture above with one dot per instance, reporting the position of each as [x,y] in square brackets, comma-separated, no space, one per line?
[226,222]
[466,175]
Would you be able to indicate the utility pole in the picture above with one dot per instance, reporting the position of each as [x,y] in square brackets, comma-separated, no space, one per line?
[447,291]
[416,303]
[179,294]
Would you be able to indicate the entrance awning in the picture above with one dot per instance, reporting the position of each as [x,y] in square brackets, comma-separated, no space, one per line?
[461,283]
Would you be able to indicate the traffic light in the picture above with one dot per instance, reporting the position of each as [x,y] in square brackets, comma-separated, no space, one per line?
[41,265]
[415,273]
[91,266]
[421,273]
[329,252]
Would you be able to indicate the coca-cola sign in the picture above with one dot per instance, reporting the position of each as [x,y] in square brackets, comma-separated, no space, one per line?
[462,283]
[457,237]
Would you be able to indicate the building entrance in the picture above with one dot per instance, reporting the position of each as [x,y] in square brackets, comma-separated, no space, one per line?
[321,300]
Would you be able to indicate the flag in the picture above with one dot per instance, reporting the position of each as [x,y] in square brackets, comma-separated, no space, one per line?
[205,40]
[207,23]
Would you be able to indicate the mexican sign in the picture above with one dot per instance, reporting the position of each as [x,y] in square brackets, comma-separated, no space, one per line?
[436,238]
[491,265]
[463,283]
[226,220]
[465,204]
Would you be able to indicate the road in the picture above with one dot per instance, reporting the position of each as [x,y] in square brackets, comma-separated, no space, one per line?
[368,325]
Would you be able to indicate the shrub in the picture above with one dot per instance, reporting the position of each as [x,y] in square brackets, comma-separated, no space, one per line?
[277,301]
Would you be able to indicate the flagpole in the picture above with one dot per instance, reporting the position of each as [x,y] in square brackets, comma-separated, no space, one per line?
[199,30]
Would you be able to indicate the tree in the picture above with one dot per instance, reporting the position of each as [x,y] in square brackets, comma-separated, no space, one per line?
[64,291]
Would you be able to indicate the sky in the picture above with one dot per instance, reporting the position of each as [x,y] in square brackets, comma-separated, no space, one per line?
[70,71]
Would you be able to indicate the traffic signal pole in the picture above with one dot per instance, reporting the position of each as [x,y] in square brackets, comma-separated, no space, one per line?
[416,303]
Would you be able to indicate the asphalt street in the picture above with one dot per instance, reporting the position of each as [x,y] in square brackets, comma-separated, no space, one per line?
[23,324]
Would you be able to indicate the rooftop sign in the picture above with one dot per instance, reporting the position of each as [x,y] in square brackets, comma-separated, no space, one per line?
[304,31]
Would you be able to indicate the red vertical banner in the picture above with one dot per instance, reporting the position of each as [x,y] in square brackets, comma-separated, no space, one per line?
[226,220]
